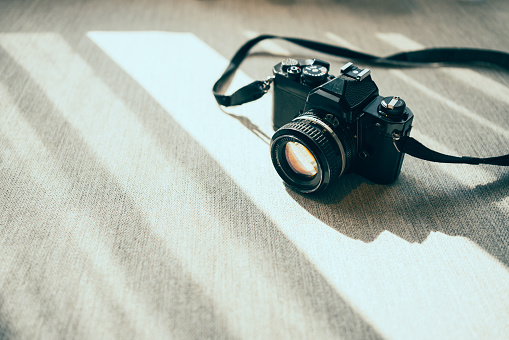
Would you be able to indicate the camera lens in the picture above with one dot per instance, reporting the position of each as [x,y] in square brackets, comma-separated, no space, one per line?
[300,159]
[309,153]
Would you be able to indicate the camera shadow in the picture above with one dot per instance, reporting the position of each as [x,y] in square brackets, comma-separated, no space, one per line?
[412,209]
[248,124]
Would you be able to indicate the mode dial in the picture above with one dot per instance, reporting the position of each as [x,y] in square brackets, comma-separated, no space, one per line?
[314,74]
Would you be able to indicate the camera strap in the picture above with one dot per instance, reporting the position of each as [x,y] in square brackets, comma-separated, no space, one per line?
[418,58]
[411,146]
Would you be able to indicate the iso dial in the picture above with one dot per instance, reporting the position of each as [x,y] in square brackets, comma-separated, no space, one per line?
[314,74]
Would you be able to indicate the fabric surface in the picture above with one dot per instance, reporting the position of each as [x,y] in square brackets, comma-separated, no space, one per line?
[133,207]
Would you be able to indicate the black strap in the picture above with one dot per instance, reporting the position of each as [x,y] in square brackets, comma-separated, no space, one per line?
[444,55]
[406,144]
[414,148]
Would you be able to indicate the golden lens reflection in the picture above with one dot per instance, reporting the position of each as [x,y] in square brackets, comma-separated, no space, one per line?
[300,159]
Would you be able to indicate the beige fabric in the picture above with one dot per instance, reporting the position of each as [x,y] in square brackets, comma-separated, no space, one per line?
[133,207]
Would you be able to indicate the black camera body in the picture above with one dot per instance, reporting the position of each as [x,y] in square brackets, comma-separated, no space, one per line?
[326,125]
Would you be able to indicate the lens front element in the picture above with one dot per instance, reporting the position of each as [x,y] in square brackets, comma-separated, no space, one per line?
[300,159]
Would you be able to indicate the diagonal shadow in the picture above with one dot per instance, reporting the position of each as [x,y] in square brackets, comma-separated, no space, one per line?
[92,184]
[96,192]
[419,208]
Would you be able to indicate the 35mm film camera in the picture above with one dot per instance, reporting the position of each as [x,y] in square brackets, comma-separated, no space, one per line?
[327,126]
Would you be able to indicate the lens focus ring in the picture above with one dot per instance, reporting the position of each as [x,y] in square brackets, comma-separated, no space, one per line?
[325,142]
[320,137]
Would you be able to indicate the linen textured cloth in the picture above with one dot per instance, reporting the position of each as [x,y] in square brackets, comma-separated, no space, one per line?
[133,207]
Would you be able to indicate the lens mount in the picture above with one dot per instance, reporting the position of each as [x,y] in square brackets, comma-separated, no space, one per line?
[331,152]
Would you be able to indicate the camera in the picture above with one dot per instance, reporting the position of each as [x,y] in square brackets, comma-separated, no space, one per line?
[327,126]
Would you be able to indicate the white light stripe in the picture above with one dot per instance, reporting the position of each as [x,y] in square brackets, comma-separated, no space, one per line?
[268,45]
[503,205]
[400,41]
[342,42]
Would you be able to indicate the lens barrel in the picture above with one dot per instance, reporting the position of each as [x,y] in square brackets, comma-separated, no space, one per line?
[330,148]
